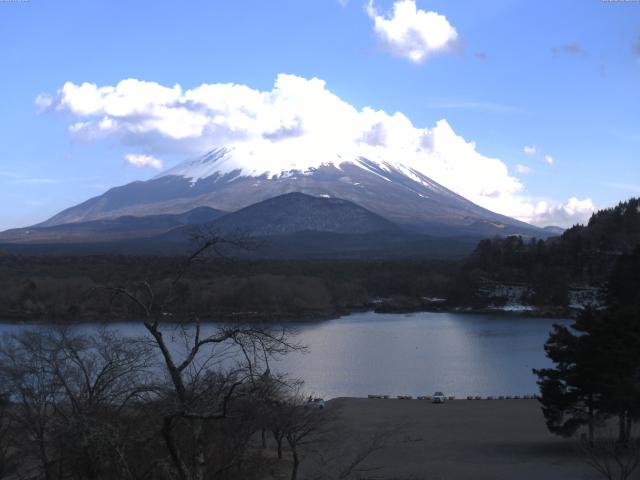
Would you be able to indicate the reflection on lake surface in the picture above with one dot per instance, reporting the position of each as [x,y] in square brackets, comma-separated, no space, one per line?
[415,354]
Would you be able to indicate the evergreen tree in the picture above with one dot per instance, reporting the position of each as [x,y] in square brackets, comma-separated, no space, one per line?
[597,361]
[570,392]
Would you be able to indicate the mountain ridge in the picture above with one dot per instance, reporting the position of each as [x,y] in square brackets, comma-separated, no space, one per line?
[290,226]
[111,229]
[400,194]
[298,212]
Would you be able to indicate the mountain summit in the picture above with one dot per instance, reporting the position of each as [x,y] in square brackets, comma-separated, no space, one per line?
[232,178]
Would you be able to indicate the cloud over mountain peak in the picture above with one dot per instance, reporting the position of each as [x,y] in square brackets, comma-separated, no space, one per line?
[298,124]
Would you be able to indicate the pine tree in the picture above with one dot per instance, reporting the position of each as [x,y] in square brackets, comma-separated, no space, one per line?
[597,361]
[570,393]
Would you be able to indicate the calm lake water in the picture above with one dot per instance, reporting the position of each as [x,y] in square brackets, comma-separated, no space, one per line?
[414,354]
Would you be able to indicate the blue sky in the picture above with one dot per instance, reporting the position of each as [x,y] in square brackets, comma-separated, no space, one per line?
[562,76]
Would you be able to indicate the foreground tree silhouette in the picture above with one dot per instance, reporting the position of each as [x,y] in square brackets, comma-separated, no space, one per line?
[201,390]
[570,391]
[597,362]
[70,398]
[611,459]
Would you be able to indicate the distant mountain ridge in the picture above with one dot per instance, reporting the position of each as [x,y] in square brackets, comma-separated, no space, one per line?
[342,208]
[291,226]
[554,230]
[297,212]
[113,229]
[226,180]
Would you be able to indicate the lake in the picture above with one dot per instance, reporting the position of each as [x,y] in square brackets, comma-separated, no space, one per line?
[413,354]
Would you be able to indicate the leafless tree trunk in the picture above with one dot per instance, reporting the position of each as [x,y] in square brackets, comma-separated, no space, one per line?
[5,437]
[64,389]
[300,426]
[278,436]
[611,458]
[195,401]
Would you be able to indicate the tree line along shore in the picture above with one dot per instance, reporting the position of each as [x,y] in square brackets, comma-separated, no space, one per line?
[502,272]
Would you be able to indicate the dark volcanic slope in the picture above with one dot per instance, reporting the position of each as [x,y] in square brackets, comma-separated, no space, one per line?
[297,212]
[291,226]
[411,200]
[120,228]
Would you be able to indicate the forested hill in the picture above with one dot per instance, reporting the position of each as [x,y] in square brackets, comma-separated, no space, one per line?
[583,255]
[544,276]
[612,231]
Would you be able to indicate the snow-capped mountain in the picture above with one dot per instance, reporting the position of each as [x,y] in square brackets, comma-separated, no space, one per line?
[231,178]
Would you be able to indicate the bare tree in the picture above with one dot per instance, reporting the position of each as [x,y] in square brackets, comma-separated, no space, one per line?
[66,392]
[33,392]
[301,426]
[7,453]
[611,458]
[201,388]
[273,392]
[184,402]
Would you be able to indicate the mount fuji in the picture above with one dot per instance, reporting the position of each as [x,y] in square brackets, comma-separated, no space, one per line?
[347,206]
[231,178]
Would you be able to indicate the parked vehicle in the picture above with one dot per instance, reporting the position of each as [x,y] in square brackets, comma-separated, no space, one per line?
[438,397]
[314,403]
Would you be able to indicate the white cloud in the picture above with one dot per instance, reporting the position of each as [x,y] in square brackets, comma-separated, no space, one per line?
[565,214]
[33,181]
[523,169]
[143,161]
[413,33]
[544,212]
[43,100]
[298,124]
[532,151]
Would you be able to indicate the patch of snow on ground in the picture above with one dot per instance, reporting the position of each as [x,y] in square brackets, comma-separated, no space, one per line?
[514,307]
[582,298]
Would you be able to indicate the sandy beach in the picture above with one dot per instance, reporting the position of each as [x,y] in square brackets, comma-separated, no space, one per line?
[461,439]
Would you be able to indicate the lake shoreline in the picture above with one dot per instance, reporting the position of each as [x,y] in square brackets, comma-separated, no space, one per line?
[254,317]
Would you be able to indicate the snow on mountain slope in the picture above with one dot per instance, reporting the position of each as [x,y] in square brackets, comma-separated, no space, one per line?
[243,160]
[277,161]
[231,178]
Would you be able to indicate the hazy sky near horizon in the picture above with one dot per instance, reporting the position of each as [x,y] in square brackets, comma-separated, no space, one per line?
[530,108]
